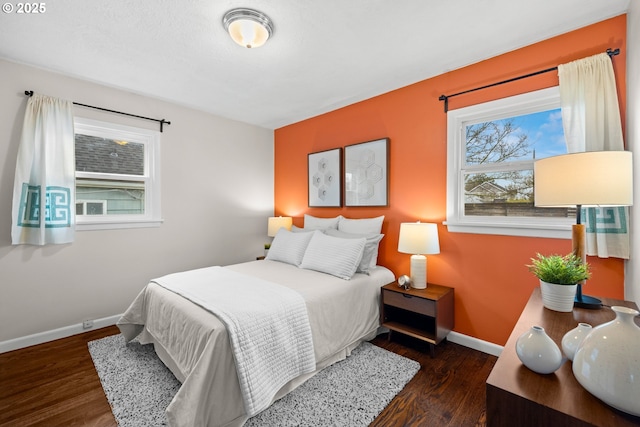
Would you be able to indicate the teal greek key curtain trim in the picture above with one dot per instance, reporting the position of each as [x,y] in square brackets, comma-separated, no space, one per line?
[46,160]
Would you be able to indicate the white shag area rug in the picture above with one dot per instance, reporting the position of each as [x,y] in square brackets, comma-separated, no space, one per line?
[349,393]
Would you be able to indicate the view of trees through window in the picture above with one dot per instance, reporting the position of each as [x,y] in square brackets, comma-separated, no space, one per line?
[499,157]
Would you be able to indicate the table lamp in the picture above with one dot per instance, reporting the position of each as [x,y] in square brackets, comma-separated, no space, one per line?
[418,239]
[593,178]
[275,223]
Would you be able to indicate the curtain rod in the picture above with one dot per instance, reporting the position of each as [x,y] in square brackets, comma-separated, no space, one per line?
[161,121]
[445,98]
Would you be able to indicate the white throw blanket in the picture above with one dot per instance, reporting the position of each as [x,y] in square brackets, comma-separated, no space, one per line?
[267,323]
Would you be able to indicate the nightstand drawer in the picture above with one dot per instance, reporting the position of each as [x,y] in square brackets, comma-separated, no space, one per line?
[409,302]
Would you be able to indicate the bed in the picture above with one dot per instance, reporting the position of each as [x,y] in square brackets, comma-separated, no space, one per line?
[196,346]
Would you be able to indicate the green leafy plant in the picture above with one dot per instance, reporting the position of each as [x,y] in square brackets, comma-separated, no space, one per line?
[559,269]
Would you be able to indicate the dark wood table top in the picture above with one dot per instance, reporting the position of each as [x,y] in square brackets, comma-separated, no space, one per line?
[559,391]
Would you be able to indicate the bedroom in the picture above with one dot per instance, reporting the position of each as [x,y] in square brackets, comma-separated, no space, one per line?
[48,292]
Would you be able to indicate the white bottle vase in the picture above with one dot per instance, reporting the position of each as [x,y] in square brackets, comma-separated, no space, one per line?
[573,338]
[607,363]
[538,352]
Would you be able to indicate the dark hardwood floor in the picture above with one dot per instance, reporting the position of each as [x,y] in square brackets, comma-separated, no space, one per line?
[448,390]
[55,384]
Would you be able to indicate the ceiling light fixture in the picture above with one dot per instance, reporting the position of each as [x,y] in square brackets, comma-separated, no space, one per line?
[247,27]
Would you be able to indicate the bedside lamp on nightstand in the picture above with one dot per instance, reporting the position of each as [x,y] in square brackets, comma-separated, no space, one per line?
[418,239]
[276,223]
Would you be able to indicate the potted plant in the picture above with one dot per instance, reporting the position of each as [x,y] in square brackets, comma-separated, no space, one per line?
[559,277]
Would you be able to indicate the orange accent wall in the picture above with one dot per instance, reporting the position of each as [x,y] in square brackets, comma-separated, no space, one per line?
[492,284]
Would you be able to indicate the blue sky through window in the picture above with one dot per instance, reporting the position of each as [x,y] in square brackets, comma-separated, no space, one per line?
[516,138]
[545,132]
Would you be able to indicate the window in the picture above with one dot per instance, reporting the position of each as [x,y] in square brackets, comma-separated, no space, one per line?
[117,176]
[93,207]
[491,149]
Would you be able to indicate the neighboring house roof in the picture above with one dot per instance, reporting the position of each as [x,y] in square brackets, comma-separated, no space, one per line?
[96,154]
[482,192]
[487,188]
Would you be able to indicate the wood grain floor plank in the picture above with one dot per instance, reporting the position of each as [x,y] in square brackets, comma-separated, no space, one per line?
[447,391]
[55,384]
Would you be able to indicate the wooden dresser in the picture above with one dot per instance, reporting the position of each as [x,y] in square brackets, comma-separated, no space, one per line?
[517,396]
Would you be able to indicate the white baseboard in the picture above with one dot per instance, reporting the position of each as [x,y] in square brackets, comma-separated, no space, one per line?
[475,343]
[467,341]
[67,331]
[55,334]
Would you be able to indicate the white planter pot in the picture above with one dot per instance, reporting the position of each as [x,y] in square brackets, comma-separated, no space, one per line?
[558,297]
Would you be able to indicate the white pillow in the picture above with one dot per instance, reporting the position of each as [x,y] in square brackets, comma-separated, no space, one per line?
[370,253]
[315,223]
[333,255]
[361,226]
[288,247]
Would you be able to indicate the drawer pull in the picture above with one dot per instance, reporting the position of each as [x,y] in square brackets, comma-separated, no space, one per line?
[407,296]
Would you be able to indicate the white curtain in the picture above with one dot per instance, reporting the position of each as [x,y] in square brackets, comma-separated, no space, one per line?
[591,119]
[45,174]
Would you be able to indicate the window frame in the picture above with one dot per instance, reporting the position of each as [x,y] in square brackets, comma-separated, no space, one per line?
[85,202]
[457,120]
[151,176]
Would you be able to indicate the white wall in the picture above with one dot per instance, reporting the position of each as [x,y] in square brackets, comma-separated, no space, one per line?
[632,275]
[217,192]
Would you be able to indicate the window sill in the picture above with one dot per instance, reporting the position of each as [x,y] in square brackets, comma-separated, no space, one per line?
[114,225]
[555,231]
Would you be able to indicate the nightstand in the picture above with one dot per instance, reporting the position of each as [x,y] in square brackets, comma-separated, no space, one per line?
[426,314]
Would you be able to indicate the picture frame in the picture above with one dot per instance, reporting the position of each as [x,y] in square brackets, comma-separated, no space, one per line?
[324,170]
[366,173]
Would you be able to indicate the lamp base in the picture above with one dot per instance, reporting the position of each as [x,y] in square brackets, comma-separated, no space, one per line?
[579,242]
[586,301]
[418,271]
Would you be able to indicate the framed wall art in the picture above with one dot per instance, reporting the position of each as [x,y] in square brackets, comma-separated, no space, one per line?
[325,186]
[366,173]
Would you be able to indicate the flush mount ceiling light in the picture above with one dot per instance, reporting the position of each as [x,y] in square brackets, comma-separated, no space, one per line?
[247,27]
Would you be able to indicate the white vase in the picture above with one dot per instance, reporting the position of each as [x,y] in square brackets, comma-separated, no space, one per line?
[538,352]
[572,339]
[558,297]
[607,362]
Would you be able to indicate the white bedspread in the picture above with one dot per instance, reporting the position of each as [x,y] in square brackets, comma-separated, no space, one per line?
[195,345]
[267,324]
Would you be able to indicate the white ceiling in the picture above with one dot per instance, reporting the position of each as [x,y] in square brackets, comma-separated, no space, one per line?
[324,54]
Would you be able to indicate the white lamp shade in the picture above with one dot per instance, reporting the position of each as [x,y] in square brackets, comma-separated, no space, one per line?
[418,238]
[594,178]
[275,223]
